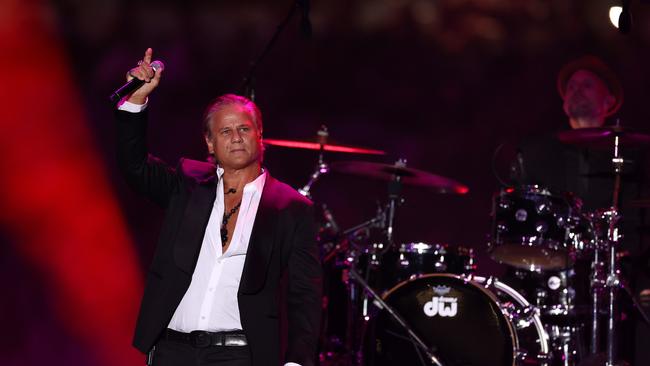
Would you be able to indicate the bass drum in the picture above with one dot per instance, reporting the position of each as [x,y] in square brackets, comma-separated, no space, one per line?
[463,322]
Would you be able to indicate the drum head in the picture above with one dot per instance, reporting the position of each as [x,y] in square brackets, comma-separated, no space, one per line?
[460,319]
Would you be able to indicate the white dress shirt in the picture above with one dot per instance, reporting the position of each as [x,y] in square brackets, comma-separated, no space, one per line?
[210,303]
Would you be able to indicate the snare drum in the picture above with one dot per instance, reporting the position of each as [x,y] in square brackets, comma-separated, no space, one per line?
[463,319]
[534,228]
[410,260]
[416,259]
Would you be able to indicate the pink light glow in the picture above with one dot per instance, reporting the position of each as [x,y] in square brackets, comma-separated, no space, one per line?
[57,204]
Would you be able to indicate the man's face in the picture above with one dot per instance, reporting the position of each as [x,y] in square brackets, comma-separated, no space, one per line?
[587,98]
[234,137]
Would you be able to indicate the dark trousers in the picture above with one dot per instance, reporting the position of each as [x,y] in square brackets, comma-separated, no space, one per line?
[171,353]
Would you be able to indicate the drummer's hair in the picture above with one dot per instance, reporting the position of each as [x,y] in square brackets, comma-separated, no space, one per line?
[230,99]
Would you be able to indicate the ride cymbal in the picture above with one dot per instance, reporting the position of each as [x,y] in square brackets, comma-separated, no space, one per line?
[603,137]
[408,176]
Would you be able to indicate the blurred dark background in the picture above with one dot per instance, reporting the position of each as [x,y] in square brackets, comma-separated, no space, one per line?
[441,83]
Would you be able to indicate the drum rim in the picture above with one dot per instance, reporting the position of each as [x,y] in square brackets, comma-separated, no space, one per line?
[569,197]
[426,247]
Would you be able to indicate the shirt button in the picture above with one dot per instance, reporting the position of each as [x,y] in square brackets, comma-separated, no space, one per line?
[211,289]
[203,317]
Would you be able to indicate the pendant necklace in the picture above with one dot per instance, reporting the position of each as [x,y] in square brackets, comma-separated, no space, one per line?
[224,224]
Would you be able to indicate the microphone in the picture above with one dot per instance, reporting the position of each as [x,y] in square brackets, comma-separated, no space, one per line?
[133,84]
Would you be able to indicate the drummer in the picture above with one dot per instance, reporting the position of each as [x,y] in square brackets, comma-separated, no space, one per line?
[591,93]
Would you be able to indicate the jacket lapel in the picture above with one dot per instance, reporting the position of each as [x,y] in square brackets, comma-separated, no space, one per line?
[262,240]
[195,220]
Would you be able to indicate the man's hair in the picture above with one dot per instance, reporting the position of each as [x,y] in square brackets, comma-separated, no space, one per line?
[230,99]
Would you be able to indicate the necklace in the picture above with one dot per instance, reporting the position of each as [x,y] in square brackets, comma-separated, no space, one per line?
[224,224]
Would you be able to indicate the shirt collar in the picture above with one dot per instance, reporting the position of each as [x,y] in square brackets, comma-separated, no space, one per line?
[256,185]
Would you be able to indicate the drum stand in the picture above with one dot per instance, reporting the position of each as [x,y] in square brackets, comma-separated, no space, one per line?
[321,167]
[612,281]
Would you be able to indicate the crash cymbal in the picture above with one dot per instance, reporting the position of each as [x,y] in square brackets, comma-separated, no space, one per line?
[603,137]
[409,176]
[314,144]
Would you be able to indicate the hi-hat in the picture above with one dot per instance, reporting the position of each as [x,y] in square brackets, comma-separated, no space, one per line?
[408,176]
[603,137]
[314,144]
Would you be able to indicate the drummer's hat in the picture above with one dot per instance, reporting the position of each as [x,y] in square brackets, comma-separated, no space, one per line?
[598,67]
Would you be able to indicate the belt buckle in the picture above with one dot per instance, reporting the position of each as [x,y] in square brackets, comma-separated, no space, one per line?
[200,339]
[235,340]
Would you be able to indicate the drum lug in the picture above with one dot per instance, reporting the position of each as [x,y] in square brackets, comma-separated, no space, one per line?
[524,316]
[523,358]
[544,358]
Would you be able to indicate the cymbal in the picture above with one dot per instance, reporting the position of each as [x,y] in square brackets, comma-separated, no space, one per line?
[316,145]
[603,137]
[409,176]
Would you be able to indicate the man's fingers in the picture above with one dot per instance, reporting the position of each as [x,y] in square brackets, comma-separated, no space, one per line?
[157,73]
[147,56]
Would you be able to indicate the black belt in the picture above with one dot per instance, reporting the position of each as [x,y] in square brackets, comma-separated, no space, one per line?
[202,339]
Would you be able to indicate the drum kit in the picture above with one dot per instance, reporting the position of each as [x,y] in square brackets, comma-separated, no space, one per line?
[422,303]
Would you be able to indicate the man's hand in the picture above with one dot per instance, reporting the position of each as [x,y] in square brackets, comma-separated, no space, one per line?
[144,72]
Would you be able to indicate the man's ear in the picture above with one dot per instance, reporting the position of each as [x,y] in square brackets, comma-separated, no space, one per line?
[210,145]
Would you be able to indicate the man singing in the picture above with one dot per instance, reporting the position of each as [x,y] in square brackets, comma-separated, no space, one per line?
[236,250]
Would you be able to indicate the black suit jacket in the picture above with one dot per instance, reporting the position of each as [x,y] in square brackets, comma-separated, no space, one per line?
[282,261]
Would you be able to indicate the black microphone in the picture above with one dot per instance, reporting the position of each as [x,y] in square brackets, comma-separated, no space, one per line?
[305,23]
[133,84]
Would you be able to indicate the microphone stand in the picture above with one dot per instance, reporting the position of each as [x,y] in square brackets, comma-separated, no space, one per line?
[248,86]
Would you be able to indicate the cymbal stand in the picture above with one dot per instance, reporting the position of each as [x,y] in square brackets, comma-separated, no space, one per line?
[321,167]
[612,281]
[428,351]
[394,200]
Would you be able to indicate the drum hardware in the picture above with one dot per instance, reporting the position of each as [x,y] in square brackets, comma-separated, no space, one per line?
[428,351]
[526,312]
[608,281]
[321,167]
[321,144]
[345,241]
[398,175]
[421,258]
[565,346]
[605,137]
[536,229]
[407,176]
[394,199]
[611,218]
